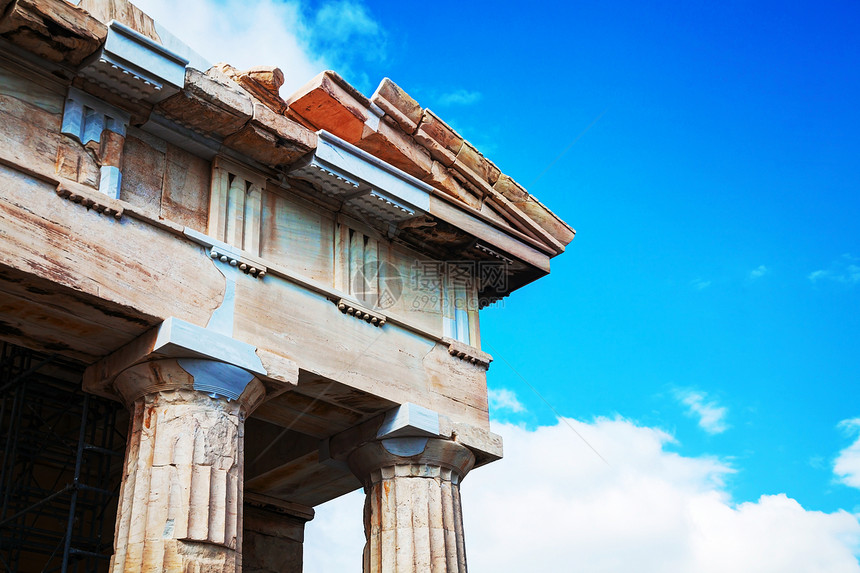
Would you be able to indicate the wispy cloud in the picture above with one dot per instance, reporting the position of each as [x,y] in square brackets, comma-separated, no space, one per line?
[847,464]
[301,39]
[346,20]
[345,33]
[503,399]
[700,284]
[845,269]
[711,416]
[759,272]
[459,97]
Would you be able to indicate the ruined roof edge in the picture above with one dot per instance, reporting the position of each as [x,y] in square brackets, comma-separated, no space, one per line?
[390,125]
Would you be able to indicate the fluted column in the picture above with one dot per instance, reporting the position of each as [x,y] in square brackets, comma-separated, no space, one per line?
[412,516]
[181,499]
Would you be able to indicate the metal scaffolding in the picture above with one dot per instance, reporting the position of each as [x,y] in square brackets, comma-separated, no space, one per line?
[61,467]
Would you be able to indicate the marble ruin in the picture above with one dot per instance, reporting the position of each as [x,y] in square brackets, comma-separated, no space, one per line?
[282,294]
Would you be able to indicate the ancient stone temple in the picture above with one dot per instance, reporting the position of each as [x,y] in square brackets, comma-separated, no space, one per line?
[220,308]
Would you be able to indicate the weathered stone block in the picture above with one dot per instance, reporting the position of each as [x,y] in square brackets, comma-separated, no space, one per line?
[398,104]
[393,146]
[439,138]
[185,195]
[209,105]
[124,12]
[272,139]
[264,82]
[29,126]
[143,171]
[510,189]
[273,535]
[75,164]
[549,221]
[441,179]
[328,102]
[471,163]
[56,31]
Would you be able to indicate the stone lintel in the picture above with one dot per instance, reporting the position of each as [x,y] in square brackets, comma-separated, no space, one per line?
[175,338]
[283,527]
[412,421]
[273,534]
[334,151]
[279,506]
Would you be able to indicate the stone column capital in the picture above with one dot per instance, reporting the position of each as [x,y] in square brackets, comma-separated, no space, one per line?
[413,519]
[207,377]
[410,457]
[178,355]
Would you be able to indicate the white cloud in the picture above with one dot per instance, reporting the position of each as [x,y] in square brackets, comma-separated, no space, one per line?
[346,35]
[700,284]
[759,272]
[503,399]
[248,33]
[845,269]
[346,20]
[552,505]
[459,97]
[712,416]
[847,465]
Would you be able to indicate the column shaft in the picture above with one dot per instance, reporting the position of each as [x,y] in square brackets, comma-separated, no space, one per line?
[180,506]
[413,521]
[181,498]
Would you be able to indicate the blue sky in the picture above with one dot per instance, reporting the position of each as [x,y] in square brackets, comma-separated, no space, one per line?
[721,177]
[707,154]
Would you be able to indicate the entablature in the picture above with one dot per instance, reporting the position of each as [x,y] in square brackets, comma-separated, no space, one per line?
[385,180]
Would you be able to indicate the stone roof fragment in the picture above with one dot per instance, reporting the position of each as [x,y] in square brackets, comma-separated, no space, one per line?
[417,141]
[243,110]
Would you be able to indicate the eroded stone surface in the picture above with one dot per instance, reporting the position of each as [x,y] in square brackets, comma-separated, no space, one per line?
[180,505]
[272,139]
[413,520]
[181,498]
[328,103]
[263,82]
[209,104]
[398,104]
[441,141]
[33,25]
